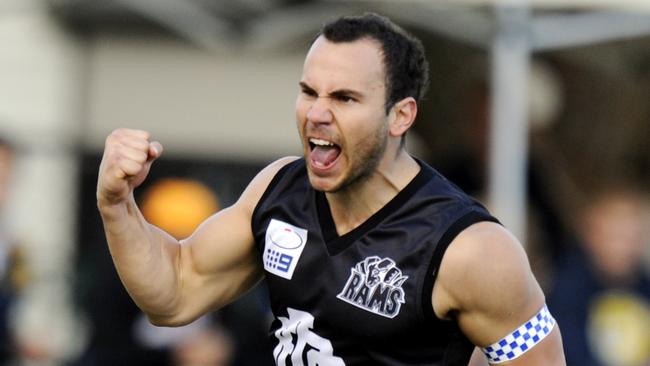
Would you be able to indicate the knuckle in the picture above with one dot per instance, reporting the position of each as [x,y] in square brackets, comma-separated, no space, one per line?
[119,131]
[140,134]
[109,140]
[140,157]
[132,133]
[115,137]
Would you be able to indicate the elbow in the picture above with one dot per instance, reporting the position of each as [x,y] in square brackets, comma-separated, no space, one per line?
[169,320]
[180,317]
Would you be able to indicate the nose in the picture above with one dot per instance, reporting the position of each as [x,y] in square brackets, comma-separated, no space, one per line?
[320,111]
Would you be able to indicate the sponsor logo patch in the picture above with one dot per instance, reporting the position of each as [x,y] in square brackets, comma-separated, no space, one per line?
[283,246]
[375,285]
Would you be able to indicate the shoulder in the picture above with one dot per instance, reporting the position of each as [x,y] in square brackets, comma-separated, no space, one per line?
[256,188]
[265,176]
[484,250]
[486,282]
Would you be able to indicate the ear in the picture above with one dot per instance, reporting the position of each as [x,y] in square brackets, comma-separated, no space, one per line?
[402,116]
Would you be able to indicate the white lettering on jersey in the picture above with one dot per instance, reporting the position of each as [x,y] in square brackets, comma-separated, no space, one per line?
[375,284]
[299,344]
[283,246]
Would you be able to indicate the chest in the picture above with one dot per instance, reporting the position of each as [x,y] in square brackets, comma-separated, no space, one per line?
[370,288]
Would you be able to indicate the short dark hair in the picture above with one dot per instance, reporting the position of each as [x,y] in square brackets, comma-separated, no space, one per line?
[407,69]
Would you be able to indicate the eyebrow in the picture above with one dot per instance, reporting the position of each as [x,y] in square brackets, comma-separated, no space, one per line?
[335,93]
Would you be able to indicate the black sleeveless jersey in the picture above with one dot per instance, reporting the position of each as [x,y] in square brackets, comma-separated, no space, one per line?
[363,298]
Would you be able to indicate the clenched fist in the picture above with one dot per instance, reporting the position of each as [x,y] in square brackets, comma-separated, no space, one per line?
[128,155]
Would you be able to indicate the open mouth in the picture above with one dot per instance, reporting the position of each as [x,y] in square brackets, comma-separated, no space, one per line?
[323,153]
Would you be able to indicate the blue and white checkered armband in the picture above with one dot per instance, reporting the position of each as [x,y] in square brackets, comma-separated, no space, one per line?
[522,339]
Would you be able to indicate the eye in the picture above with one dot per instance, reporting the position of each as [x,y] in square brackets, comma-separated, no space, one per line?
[308,92]
[345,98]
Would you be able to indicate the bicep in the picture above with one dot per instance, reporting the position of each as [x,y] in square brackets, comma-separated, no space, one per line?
[219,261]
[213,267]
[221,244]
[501,294]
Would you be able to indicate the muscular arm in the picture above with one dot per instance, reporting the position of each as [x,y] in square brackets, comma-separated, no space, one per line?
[485,282]
[175,282]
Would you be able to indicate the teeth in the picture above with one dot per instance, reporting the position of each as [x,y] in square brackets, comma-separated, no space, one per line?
[320,142]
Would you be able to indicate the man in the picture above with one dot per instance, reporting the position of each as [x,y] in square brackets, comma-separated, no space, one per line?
[601,291]
[350,238]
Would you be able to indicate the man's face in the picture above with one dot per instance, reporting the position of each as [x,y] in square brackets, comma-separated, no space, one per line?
[340,112]
[616,233]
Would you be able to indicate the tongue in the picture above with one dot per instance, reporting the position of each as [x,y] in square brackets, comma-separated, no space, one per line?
[323,155]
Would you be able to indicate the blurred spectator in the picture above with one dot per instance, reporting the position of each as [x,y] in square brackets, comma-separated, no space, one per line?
[6,160]
[12,270]
[201,343]
[601,294]
[206,347]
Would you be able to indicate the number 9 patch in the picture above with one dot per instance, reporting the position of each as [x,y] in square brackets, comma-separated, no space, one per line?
[283,246]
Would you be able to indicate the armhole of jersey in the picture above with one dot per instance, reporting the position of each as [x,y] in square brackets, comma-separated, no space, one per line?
[461,224]
[274,182]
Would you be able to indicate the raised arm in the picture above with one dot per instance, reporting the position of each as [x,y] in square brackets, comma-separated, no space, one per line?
[174,282]
[486,284]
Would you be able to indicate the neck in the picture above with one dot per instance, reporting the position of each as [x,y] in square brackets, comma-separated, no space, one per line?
[355,204]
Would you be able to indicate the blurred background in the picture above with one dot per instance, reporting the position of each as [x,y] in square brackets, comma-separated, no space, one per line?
[539,108]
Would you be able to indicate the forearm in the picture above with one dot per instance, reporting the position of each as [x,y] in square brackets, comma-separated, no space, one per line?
[145,257]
